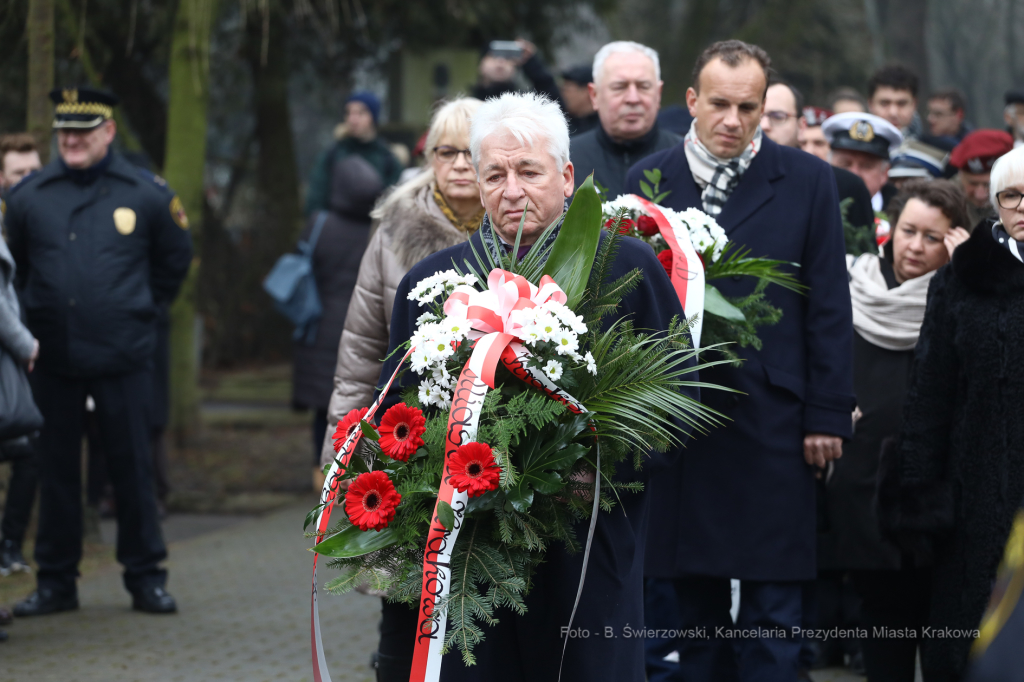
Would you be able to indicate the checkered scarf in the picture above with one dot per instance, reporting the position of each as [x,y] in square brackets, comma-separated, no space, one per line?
[718,177]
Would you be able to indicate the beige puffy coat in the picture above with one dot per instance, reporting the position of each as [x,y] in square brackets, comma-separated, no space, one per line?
[410,230]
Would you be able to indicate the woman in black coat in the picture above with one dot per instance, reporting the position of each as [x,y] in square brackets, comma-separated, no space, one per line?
[355,187]
[950,487]
[889,294]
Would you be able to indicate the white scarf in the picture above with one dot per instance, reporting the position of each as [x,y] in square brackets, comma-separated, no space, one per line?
[718,177]
[887,318]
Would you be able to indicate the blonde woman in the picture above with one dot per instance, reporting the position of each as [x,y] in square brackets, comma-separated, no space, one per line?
[438,208]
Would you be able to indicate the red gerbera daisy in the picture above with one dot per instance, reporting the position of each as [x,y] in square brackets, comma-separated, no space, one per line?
[473,468]
[665,258]
[371,501]
[347,425]
[647,225]
[400,431]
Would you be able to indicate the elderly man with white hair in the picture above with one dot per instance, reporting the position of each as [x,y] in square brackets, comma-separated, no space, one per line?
[520,148]
[626,94]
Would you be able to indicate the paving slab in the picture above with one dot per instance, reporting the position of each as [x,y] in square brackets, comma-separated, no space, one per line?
[243,597]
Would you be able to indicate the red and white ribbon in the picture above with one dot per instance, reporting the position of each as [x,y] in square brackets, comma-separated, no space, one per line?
[492,314]
[495,328]
[328,497]
[687,269]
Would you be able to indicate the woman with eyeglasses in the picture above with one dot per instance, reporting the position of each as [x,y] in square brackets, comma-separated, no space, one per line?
[950,485]
[438,208]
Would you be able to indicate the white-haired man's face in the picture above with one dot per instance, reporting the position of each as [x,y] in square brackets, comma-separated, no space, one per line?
[515,178]
[626,95]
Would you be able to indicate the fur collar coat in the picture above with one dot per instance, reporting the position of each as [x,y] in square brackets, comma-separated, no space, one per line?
[951,484]
[410,229]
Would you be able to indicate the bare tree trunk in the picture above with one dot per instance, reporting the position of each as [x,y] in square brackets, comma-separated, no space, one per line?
[904,29]
[39,30]
[277,182]
[184,164]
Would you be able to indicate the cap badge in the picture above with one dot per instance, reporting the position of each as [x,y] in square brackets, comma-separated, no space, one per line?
[862,131]
[124,220]
[975,166]
[70,95]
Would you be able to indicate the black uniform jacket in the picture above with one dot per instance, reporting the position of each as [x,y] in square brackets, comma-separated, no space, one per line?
[530,647]
[97,258]
[740,502]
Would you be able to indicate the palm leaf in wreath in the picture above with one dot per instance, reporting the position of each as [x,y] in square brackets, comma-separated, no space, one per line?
[735,261]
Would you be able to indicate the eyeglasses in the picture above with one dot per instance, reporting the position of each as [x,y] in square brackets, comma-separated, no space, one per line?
[1009,199]
[778,116]
[449,154]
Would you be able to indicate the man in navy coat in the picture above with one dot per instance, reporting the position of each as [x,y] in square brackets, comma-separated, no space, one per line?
[740,502]
[520,147]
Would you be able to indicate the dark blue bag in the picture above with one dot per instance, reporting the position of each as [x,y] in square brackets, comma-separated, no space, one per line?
[292,286]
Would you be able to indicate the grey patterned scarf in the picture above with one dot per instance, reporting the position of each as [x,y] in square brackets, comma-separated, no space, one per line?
[497,246]
[718,177]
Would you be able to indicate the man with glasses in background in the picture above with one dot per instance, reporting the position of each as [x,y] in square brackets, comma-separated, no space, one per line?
[782,125]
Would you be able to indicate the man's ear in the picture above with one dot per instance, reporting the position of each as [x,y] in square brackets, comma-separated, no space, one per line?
[592,91]
[691,101]
[569,175]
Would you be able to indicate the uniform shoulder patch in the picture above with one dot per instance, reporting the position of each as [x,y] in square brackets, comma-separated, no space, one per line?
[178,212]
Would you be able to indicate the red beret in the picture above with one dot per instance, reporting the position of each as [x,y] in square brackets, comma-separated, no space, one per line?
[979,150]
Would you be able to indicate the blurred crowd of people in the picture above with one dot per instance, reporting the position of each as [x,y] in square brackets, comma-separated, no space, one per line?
[873,467]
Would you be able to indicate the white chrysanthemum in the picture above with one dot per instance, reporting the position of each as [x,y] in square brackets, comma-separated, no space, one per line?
[566,342]
[443,379]
[630,202]
[420,360]
[591,365]
[456,327]
[439,346]
[428,392]
[425,318]
[553,369]
[547,325]
[530,333]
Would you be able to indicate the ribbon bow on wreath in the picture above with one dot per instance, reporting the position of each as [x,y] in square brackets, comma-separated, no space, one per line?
[493,315]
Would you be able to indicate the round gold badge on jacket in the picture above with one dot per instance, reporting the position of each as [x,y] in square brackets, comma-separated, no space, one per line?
[124,220]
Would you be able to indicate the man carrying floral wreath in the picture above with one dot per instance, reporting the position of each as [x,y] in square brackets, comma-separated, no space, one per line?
[520,148]
[740,503]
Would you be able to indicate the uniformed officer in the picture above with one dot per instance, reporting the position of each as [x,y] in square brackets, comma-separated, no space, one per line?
[101,246]
[863,143]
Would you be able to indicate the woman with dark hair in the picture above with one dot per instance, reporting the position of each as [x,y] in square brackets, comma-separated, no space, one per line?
[951,484]
[889,293]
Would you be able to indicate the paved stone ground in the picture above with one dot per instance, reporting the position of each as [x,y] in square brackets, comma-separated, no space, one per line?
[243,595]
[242,585]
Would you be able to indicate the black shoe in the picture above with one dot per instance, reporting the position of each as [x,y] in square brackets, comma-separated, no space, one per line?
[153,599]
[3,636]
[45,601]
[11,560]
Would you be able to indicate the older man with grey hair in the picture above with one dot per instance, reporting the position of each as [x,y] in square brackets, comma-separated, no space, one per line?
[520,145]
[626,94]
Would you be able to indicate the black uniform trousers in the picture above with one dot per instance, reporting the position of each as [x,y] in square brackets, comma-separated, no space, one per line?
[122,414]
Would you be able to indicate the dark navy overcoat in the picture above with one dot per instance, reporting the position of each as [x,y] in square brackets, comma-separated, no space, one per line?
[529,648]
[740,501]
